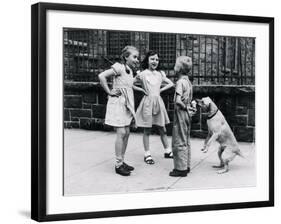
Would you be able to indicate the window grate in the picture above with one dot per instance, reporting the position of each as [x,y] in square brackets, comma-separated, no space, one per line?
[165,45]
[217,60]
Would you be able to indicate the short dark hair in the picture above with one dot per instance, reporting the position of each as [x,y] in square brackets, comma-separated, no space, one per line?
[144,63]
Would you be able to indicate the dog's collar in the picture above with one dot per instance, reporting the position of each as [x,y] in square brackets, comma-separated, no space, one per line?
[209,117]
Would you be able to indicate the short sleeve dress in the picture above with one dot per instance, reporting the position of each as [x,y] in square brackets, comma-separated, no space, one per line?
[120,110]
[151,110]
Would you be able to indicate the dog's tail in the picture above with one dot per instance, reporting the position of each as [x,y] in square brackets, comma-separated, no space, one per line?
[239,153]
[242,155]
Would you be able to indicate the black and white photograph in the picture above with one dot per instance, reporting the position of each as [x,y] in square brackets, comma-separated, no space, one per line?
[121,112]
[149,111]
[143,111]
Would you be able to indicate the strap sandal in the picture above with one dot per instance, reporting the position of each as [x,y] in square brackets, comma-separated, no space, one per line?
[168,155]
[149,160]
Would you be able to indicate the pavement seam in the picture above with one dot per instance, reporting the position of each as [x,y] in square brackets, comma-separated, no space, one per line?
[192,168]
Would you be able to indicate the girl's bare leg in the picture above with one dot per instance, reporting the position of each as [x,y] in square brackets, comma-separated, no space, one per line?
[164,140]
[147,156]
[126,138]
[163,136]
[119,145]
[146,134]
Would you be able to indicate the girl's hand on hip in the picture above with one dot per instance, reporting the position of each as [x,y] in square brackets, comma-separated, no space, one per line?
[115,93]
[144,92]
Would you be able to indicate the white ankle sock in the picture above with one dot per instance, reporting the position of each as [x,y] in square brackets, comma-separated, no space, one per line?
[147,153]
[118,162]
[168,150]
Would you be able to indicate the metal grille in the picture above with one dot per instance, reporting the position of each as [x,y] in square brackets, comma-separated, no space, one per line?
[116,41]
[217,60]
[165,45]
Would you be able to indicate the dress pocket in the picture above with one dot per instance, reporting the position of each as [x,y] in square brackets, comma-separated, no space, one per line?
[116,108]
[122,100]
[112,100]
[147,106]
[112,107]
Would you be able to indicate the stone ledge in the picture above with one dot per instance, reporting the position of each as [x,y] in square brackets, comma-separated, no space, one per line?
[197,89]
[219,89]
[81,86]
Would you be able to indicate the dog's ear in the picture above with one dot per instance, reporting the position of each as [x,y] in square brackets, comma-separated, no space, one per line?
[206,100]
[199,102]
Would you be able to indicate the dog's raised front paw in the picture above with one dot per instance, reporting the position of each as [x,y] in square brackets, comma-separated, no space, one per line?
[218,166]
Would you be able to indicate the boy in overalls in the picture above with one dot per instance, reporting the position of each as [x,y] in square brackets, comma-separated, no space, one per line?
[182,118]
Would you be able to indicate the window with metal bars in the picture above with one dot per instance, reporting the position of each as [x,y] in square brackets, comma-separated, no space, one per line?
[116,41]
[165,45]
[217,60]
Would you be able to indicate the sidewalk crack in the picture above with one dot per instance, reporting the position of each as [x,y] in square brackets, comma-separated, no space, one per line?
[192,168]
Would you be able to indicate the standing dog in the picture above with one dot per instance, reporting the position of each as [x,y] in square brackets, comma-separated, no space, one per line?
[219,130]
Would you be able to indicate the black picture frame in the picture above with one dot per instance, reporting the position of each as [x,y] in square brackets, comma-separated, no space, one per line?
[39,109]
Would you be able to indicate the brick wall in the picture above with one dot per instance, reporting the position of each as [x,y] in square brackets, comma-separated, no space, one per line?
[85,104]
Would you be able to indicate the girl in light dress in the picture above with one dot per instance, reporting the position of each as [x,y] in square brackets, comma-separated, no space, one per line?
[151,110]
[120,106]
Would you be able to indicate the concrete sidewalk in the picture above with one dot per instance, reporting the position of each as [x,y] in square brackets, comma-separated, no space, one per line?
[89,166]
